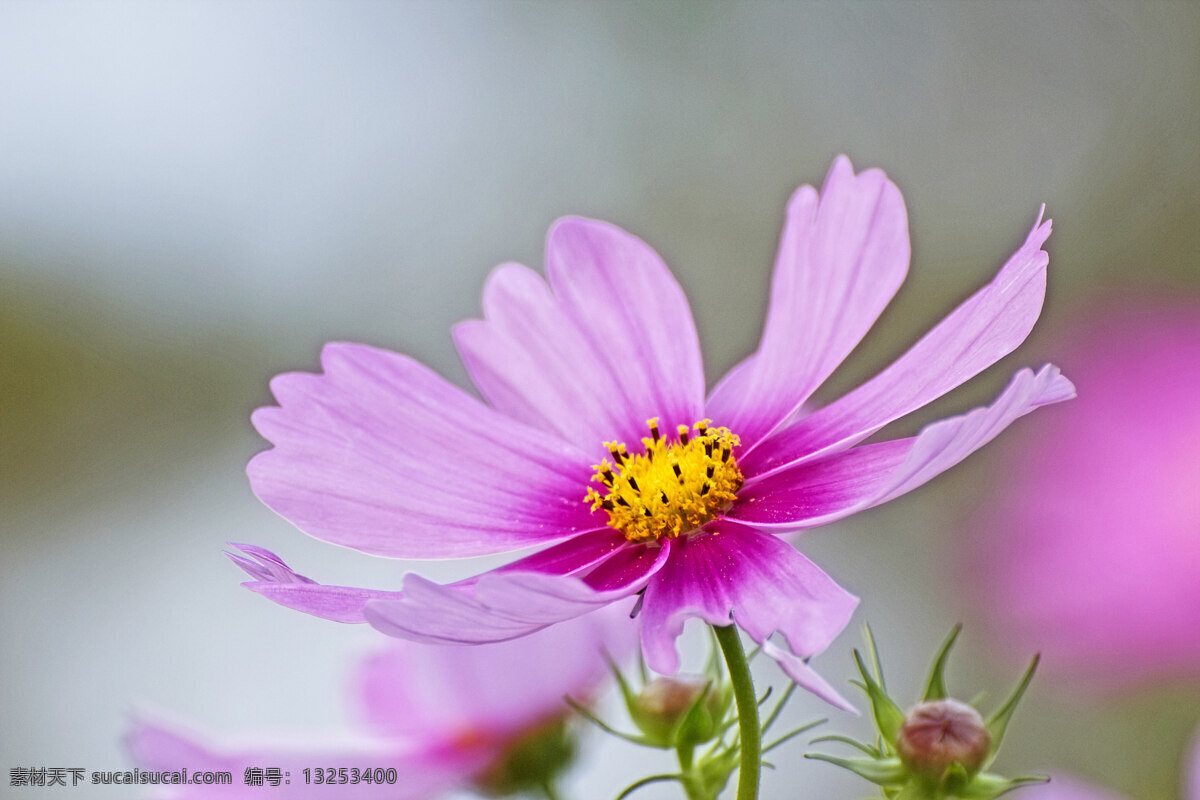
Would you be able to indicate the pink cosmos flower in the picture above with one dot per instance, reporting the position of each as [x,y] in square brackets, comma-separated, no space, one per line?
[597,444]
[1091,553]
[441,717]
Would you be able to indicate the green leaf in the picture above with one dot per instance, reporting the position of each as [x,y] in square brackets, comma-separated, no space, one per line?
[999,720]
[935,689]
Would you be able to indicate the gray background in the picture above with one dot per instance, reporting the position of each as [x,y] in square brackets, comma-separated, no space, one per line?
[196,196]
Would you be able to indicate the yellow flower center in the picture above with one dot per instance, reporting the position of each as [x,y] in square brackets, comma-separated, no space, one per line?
[670,489]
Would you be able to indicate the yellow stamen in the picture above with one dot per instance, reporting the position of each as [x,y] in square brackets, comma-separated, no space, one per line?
[671,488]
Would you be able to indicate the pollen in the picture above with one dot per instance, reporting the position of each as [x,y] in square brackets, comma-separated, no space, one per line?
[671,488]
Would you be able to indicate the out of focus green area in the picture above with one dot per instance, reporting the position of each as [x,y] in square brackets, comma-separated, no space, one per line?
[98,405]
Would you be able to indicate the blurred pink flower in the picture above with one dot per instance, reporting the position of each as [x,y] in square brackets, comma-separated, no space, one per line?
[1089,547]
[441,717]
[1065,787]
[380,454]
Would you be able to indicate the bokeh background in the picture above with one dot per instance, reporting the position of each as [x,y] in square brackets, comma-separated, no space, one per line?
[196,196]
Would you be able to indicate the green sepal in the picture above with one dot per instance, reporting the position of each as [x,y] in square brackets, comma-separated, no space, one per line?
[834,737]
[716,770]
[587,714]
[914,791]
[627,692]
[935,689]
[882,772]
[638,784]
[888,716]
[794,732]
[954,780]
[986,786]
[704,717]
[998,722]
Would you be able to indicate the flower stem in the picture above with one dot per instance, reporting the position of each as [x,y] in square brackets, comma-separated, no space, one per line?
[747,706]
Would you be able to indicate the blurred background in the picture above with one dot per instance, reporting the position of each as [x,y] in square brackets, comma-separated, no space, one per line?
[197,196]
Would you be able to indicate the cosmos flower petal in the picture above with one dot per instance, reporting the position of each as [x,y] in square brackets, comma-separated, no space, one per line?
[160,746]
[738,575]
[806,677]
[500,605]
[609,343]
[263,565]
[532,362]
[624,299]
[525,679]
[987,326]
[276,581]
[345,603]
[840,261]
[819,492]
[381,454]
[334,603]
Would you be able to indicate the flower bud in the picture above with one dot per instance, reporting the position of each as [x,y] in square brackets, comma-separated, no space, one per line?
[941,747]
[531,760]
[939,733]
[680,710]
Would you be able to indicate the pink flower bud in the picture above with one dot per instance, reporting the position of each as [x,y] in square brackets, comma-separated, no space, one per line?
[939,733]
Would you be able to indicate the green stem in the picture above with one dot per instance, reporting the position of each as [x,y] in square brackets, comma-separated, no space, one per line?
[689,778]
[747,706]
[548,788]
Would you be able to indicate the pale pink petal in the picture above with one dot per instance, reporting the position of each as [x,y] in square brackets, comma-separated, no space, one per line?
[276,581]
[502,604]
[1192,772]
[335,603]
[532,363]
[738,575]
[422,691]
[420,774]
[263,565]
[1066,787]
[818,492]
[840,262]
[382,455]
[609,344]
[806,677]
[988,326]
